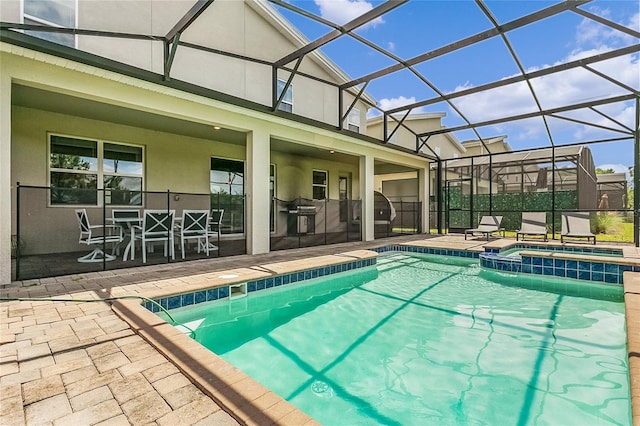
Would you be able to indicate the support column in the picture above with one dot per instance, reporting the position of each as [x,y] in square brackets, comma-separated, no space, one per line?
[366,194]
[257,191]
[423,195]
[6,201]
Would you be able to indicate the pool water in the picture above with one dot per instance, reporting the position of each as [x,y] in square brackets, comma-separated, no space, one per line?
[413,341]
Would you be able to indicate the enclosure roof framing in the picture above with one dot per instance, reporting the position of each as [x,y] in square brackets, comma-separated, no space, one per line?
[547,112]
[583,62]
[13,33]
[537,156]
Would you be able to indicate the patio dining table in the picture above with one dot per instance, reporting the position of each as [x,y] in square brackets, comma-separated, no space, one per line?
[126,223]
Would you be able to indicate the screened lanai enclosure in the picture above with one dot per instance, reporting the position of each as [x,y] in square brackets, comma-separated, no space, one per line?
[571,118]
[544,180]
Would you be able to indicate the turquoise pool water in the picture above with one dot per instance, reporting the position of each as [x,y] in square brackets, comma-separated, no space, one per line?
[415,342]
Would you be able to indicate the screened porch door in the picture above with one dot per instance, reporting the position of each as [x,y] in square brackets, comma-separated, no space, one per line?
[458,205]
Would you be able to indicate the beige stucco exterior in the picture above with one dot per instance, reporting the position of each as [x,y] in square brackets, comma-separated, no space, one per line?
[249,28]
[172,161]
[494,145]
[443,145]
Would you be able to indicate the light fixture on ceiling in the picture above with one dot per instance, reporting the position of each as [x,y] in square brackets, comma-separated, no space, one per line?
[216,127]
[332,152]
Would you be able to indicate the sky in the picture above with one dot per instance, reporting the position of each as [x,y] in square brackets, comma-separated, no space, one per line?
[421,26]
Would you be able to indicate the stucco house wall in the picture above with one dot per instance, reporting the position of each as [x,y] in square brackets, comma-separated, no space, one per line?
[443,145]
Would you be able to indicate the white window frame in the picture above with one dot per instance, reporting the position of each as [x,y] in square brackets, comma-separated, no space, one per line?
[99,172]
[353,120]
[289,104]
[325,186]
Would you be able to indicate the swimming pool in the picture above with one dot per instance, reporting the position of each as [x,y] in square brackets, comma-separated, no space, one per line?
[416,341]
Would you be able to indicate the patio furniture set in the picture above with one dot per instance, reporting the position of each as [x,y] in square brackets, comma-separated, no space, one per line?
[574,225]
[153,226]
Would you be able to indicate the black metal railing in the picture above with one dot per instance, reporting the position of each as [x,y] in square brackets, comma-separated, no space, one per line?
[47,238]
[48,242]
[304,222]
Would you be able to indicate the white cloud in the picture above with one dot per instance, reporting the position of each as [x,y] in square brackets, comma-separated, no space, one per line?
[395,102]
[590,34]
[343,11]
[391,46]
[391,103]
[559,89]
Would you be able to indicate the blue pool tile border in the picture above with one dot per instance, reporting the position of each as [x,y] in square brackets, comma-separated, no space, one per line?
[217,293]
[568,249]
[602,272]
[427,250]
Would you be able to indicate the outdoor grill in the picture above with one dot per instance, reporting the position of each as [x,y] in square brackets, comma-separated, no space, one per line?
[302,220]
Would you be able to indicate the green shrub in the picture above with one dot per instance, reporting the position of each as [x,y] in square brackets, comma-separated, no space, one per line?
[608,223]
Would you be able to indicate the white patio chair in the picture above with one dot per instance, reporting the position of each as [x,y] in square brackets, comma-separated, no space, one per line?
[487,226]
[215,221]
[195,225]
[157,226]
[97,235]
[576,225]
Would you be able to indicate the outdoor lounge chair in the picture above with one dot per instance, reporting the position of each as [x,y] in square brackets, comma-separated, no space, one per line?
[576,225]
[487,226]
[533,223]
[97,235]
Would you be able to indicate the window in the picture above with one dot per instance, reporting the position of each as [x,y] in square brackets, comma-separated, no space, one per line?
[320,184]
[287,101]
[79,168]
[227,193]
[353,120]
[51,13]
[122,174]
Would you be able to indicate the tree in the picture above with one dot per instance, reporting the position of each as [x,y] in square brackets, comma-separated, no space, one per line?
[600,171]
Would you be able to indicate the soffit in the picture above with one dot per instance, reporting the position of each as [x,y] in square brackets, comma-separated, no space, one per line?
[45,100]
[308,151]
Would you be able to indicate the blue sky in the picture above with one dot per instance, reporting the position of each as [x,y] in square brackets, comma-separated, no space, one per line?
[420,26]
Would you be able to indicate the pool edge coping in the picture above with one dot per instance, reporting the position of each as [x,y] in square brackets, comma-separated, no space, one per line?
[246,400]
[631,284]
